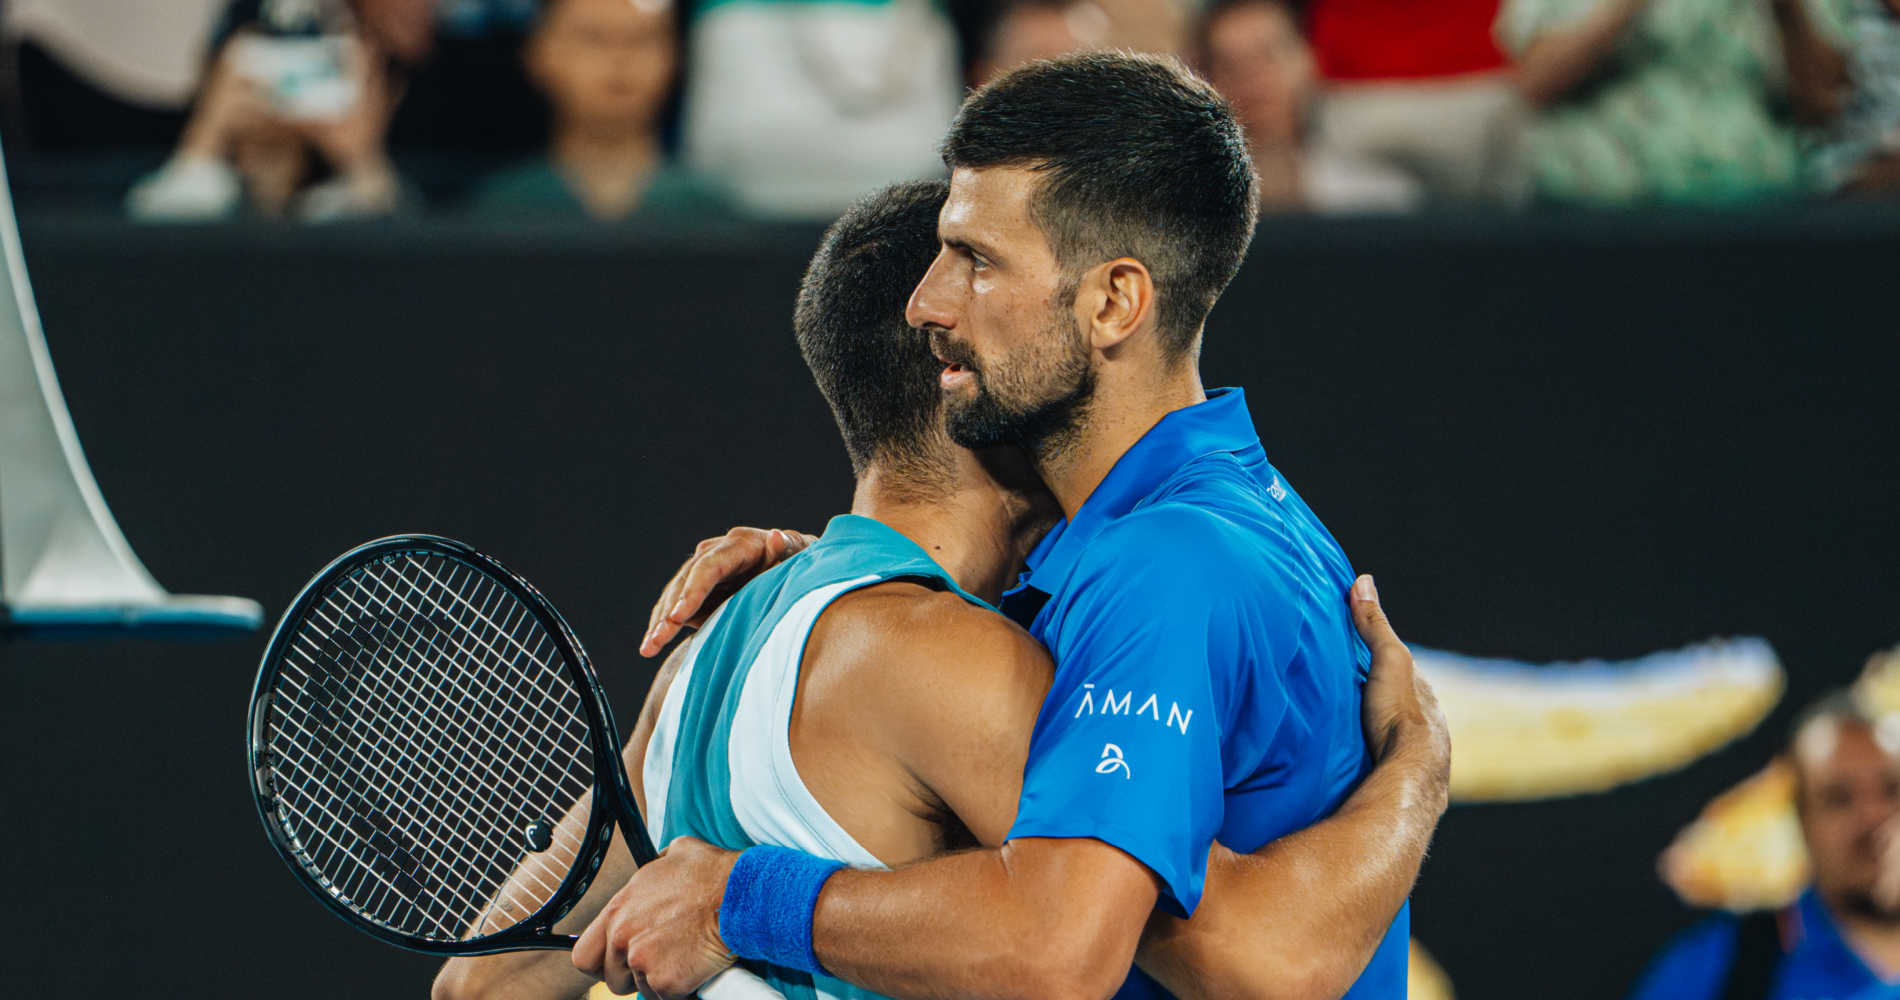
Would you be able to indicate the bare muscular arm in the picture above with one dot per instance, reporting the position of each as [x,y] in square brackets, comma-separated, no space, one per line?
[946,692]
[1559,60]
[958,718]
[550,974]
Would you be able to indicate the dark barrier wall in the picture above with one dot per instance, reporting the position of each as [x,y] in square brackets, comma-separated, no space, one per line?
[1547,441]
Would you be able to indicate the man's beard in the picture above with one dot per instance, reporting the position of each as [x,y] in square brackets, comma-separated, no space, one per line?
[1001,415]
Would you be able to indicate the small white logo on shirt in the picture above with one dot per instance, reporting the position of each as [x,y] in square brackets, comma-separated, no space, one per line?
[1113,705]
[1275,490]
[1112,759]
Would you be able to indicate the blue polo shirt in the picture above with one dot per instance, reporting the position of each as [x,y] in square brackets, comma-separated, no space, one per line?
[1208,675]
[1819,964]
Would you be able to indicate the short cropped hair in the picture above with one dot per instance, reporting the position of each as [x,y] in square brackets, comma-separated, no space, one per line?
[1140,157]
[878,374]
[1842,707]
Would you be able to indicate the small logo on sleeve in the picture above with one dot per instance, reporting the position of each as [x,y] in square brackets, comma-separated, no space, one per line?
[1124,704]
[1112,759]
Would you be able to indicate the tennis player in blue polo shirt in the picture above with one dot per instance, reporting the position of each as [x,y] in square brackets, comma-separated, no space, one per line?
[1208,677]
[1200,659]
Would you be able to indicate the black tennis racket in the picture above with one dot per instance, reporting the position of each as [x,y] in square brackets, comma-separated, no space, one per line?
[422,733]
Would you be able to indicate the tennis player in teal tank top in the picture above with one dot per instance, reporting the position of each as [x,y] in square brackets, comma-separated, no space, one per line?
[738,663]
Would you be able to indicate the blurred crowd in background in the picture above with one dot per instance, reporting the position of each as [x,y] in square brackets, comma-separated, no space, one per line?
[789,109]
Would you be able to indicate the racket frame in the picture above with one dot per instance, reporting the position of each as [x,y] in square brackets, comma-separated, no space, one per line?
[610,779]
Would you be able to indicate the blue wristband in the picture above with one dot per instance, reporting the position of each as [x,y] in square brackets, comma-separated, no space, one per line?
[770,896]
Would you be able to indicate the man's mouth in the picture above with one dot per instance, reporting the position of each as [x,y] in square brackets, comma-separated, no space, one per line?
[956,367]
[955,375]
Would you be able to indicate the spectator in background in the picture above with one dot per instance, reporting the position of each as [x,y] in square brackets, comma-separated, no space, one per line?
[1422,87]
[291,121]
[1861,155]
[796,107]
[98,75]
[1163,27]
[463,90]
[1021,31]
[456,65]
[1253,53]
[1027,30]
[1672,101]
[608,69]
[1841,939]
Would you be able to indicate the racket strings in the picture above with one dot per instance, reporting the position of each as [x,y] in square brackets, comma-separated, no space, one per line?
[422,721]
[386,699]
[444,703]
[410,643]
[536,871]
[326,852]
[495,651]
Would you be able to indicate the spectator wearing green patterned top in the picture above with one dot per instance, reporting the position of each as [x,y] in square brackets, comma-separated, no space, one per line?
[608,69]
[1671,101]
[1861,154]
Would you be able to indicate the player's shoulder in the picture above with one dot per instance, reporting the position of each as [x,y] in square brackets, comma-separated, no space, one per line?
[899,662]
[901,627]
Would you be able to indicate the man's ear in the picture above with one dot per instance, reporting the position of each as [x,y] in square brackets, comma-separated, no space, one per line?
[1121,299]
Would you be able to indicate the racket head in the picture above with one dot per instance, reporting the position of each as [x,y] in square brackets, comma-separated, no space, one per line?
[421,721]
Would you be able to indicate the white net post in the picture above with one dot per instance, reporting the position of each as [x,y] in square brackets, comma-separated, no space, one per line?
[64,565]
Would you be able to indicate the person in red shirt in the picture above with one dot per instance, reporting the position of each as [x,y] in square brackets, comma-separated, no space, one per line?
[1425,88]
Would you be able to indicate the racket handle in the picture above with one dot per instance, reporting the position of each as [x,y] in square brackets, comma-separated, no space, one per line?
[738,984]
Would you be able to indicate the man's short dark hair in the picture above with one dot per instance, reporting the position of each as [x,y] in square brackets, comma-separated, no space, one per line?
[877,373]
[1140,159]
[1841,707]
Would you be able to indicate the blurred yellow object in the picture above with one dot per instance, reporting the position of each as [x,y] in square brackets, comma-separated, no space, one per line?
[1424,979]
[1878,689]
[1521,732]
[1744,852]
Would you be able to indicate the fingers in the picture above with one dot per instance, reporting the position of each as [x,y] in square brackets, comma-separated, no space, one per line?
[655,639]
[1368,615]
[1397,711]
[656,935]
[795,541]
[660,627]
[590,949]
[721,563]
[617,976]
[743,554]
[601,949]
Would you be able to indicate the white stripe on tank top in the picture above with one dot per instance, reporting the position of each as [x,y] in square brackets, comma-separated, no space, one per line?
[769,798]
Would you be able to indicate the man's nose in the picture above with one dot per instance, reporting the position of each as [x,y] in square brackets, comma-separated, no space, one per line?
[929,301]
